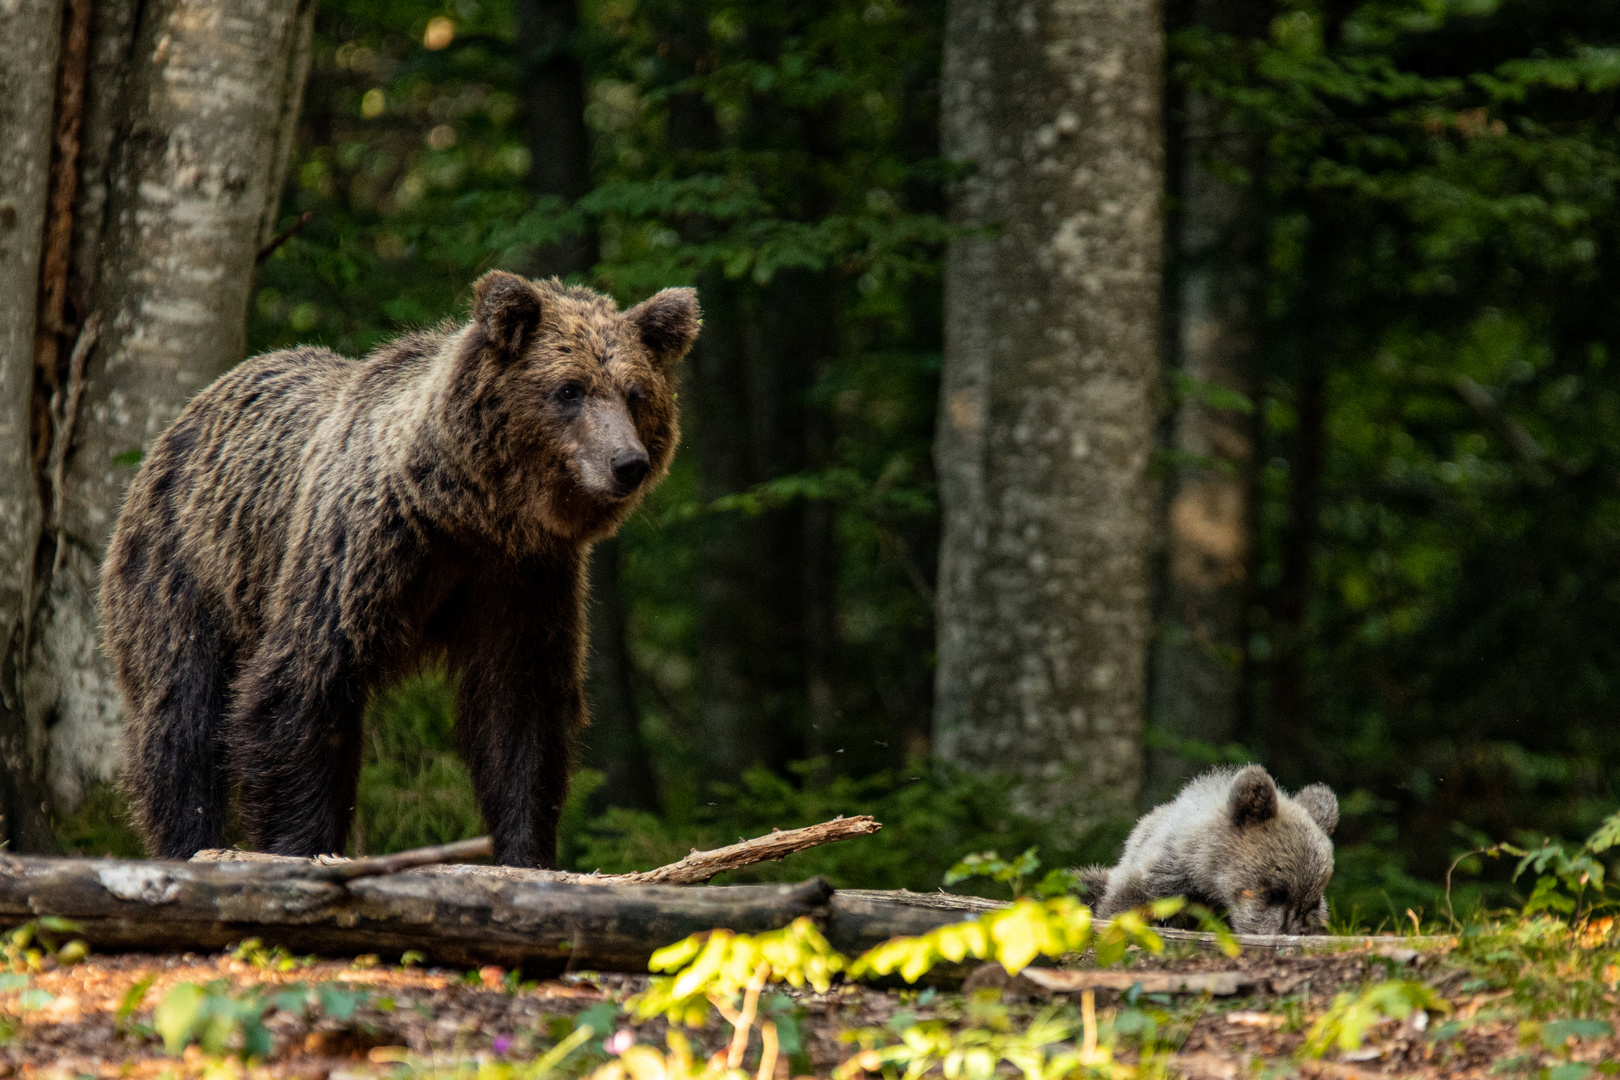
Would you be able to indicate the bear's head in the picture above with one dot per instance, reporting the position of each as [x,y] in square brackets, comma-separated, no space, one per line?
[1273,855]
[564,406]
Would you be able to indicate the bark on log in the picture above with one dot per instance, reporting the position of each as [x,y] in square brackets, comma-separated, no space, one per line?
[465,920]
[468,920]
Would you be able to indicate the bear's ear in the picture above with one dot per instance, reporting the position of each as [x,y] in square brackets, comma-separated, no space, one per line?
[1253,798]
[508,308]
[1319,801]
[669,322]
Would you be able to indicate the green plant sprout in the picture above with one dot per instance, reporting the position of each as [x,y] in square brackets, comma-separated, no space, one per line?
[1351,1016]
[27,946]
[1056,882]
[216,1019]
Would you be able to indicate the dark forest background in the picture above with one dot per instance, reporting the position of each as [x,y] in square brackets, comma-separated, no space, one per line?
[1428,197]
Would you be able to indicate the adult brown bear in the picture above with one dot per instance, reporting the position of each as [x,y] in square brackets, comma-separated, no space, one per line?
[312,526]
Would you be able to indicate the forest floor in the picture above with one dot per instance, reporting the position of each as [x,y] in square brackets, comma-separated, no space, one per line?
[1496,1008]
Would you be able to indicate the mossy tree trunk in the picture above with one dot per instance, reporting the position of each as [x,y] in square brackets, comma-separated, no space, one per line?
[1047,404]
[166,129]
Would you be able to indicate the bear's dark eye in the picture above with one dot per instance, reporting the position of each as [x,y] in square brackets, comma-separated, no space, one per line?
[1276,896]
[570,392]
[635,397]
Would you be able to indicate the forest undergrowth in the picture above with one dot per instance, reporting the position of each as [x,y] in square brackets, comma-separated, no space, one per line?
[1529,990]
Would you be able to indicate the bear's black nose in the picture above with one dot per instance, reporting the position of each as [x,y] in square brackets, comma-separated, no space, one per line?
[630,469]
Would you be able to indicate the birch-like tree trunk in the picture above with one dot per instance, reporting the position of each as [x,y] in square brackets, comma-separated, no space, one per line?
[1216,249]
[171,121]
[1047,403]
[28,51]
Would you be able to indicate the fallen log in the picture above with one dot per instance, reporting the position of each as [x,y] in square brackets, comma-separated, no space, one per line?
[471,919]
[463,921]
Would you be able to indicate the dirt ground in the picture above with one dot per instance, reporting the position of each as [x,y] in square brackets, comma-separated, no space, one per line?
[335,1019]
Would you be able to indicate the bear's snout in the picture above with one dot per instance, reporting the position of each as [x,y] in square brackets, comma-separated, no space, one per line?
[630,467]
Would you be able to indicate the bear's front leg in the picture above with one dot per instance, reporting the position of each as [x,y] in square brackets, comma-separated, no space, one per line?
[519,653]
[294,741]
[516,730]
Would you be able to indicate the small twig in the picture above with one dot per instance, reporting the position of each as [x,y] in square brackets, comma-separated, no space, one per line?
[479,847]
[283,236]
[1088,1021]
[1493,851]
[767,1054]
[66,419]
[337,868]
[745,1020]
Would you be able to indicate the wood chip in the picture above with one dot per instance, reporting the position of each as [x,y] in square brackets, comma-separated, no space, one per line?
[1218,983]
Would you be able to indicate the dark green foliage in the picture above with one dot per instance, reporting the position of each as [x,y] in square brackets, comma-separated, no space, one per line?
[1434,631]
[414,790]
[101,826]
[929,819]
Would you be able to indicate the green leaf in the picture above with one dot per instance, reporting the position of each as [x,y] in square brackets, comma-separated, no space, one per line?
[133,997]
[291,999]
[338,1002]
[35,999]
[1558,1032]
[128,457]
[1570,1070]
[600,1018]
[179,1014]
[1606,836]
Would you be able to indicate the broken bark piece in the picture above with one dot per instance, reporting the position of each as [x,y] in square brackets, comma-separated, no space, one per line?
[336,868]
[702,865]
[694,869]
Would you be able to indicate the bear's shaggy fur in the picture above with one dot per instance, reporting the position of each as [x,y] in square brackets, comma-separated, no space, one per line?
[312,526]
[1232,841]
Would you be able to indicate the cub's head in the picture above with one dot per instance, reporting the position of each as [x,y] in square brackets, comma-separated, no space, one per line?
[564,404]
[1275,855]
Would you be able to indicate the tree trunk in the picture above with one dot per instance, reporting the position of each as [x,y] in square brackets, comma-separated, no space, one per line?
[173,121]
[28,53]
[1216,253]
[1047,417]
[1289,710]
[731,734]
[553,88]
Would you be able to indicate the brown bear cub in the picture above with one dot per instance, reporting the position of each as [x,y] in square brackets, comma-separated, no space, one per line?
[1232,841]
[312,527]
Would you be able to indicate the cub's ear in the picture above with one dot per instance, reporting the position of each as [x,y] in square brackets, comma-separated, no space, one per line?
[1319,801]
[1253,798]
[669,322]
[508,308]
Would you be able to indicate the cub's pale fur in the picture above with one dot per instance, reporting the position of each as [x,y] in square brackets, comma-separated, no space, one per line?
[1233,841]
